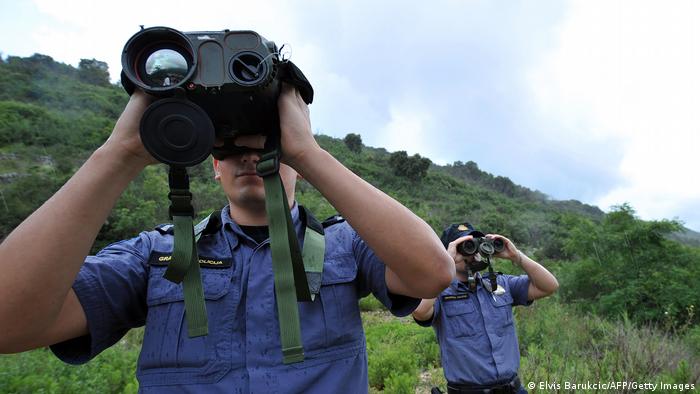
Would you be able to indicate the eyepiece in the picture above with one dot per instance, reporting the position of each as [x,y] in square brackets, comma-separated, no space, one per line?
[248,69]
[486,247]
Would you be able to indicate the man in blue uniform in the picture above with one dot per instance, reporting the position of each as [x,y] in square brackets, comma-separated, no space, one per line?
[474,322]
[54,294]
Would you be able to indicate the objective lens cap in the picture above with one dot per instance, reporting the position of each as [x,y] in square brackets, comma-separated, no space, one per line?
[177,132]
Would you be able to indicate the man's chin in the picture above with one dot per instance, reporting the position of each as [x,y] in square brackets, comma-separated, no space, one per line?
[253,199]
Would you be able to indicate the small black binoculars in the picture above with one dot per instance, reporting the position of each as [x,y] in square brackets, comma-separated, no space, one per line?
[485,246]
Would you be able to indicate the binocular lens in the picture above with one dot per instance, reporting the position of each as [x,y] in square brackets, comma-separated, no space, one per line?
[467,247]
[498,245]
[158,59]
[165,67]
[482,245]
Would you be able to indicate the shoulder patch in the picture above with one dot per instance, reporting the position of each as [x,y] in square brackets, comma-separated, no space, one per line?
[166,228]
[335,219]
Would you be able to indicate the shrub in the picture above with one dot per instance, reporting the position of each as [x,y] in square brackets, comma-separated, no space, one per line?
[353,142]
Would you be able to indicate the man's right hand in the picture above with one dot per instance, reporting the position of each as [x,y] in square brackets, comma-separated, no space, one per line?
[125,139]
[452,249]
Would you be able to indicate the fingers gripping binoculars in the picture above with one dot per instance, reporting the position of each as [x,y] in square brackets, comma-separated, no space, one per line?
[485,246]
[209,85]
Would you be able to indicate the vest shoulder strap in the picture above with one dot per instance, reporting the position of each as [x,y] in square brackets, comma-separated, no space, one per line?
[308,220]
[210,225]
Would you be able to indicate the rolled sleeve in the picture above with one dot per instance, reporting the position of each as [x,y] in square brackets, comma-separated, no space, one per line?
[111,288]
[372,278]
[431,321]
[518,286]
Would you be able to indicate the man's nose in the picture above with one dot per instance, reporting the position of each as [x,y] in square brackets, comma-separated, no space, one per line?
[250,156]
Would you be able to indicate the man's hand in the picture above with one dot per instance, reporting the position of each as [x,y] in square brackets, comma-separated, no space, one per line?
[295,125]
[509,251]
[297,139]
[542,282]
[125,139]
[452,249]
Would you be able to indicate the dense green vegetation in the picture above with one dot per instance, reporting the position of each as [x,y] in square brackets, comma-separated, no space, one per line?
[628,297]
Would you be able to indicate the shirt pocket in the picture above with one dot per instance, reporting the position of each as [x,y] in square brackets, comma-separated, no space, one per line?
[332,322]
[168,355]
[503,311]
[461,316]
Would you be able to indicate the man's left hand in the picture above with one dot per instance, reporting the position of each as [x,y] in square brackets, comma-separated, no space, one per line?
[509,251]
[295,123]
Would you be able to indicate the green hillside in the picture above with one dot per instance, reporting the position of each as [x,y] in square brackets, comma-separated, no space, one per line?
[633,282]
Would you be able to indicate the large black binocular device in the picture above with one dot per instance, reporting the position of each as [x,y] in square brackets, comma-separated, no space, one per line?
[485,246]
[209,85]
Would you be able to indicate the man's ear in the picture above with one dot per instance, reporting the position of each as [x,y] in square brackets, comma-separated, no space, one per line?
[217,174]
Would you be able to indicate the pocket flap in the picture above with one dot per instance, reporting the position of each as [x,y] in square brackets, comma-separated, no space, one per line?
[458,307]
[502,300]
[342,269]
[215,283]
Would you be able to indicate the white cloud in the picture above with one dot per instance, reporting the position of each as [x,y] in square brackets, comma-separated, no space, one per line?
[409,128]
[627,72]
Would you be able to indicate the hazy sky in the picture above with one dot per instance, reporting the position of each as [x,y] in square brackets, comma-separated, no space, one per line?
[590,100]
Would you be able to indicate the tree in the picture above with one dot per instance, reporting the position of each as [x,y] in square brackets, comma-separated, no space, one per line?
[353,142]
[414,167]
[625,265]
[504,185]
[94,72]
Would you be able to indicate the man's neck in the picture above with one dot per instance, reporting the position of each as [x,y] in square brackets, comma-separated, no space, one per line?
[462,276]
[253,214]
[248,216]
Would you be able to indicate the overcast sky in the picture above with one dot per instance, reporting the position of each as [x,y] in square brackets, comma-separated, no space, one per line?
[590,100]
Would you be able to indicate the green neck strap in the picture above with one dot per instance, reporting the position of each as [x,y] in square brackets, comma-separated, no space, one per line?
[185,263]
[297,275]
[287,263]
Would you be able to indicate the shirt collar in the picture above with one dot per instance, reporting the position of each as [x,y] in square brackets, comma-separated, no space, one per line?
[227,221]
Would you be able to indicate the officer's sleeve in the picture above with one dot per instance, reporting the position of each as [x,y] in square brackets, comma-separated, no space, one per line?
[111,288]
[431,320]
[518,286]
[372,278]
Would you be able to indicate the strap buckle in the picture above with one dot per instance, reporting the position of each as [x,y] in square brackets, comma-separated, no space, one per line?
[269,164]
[180,203]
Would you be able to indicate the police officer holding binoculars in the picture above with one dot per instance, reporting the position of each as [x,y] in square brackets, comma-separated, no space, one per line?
[227,93]
[473,318]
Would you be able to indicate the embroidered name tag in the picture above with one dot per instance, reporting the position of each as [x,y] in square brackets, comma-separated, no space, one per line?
[455,297]
[163,259]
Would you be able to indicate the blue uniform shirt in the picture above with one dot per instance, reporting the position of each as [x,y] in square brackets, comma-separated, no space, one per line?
[123,287]
[476,332]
